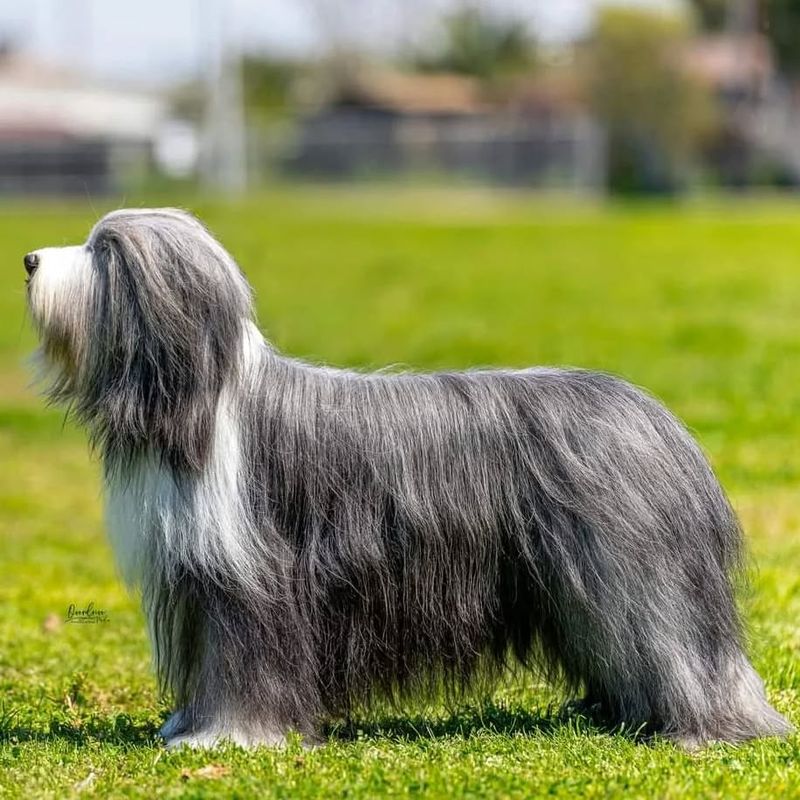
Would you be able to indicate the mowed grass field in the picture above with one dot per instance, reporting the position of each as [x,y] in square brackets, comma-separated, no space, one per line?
[699,304]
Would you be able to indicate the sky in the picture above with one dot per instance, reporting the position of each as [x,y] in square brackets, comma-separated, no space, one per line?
[158,41]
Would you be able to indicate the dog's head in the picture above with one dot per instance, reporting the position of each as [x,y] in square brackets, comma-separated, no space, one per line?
[140,326]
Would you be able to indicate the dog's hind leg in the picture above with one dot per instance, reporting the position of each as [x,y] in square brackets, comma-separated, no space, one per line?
[636,552]
[662,657]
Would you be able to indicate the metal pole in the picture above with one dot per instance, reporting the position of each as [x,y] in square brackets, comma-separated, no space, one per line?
[224,163]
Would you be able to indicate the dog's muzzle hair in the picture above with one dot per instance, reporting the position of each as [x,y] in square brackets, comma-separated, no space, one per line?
[309,540]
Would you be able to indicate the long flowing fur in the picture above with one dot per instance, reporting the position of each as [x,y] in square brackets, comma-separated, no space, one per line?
[309,540]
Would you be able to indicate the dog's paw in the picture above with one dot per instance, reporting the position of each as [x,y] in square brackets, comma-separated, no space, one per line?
[173,724]
[212,737]
[690,743]
[196,740]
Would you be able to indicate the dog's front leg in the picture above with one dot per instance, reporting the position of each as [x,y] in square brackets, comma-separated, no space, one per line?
[216,714]
[233,682]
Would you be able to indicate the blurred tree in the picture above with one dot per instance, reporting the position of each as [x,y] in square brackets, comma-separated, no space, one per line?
[713,14]
[268,86]
[656,116]
[777,19]
[780,20]
[480,44]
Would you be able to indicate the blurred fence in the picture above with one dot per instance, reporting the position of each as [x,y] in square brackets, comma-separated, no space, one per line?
[512,150]
[60,167]
[70,165]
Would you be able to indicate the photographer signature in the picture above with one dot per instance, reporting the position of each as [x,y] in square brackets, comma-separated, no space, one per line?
[86,616]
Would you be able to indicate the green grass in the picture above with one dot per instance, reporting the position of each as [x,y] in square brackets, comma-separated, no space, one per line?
[699,304]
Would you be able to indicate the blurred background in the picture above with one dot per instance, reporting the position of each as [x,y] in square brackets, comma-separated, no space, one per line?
[650,97]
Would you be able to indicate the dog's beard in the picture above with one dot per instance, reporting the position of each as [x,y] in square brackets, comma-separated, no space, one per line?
[59,300]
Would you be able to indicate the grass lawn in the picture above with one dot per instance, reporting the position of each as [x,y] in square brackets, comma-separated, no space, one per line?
[698,304]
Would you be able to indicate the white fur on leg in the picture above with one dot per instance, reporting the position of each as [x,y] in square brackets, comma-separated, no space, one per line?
[215,735]
[212,733]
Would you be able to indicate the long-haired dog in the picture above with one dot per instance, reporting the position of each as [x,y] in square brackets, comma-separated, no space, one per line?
[308,540]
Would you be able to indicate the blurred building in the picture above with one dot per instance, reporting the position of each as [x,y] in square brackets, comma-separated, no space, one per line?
[60,133]
[386,122]
[760,114]
[737,67]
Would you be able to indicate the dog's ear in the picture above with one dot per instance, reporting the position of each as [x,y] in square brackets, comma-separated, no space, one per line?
[166,331]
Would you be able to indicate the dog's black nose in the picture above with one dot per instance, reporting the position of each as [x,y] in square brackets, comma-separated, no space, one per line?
[31,262]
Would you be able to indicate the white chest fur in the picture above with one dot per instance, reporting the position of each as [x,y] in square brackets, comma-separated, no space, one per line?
[157,521]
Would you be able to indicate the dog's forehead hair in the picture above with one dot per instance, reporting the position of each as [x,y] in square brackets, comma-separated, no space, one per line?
[169,212]
[159,237]
[146,217]
[173,227]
